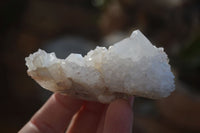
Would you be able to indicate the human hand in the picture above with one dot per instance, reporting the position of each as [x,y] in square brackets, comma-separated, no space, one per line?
[63,113]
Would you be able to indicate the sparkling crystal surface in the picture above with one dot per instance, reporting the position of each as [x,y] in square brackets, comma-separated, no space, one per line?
[132,66]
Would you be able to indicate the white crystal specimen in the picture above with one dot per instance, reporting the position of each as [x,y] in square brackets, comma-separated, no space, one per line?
[132,66]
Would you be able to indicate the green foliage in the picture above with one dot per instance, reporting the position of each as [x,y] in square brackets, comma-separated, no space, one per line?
[189,64]
[191,55]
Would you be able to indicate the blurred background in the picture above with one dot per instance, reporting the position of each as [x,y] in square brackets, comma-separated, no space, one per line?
[66,26]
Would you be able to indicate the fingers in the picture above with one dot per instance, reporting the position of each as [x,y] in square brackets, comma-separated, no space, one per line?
[119,117]
[54,116]
[101,122]
[86,121]
[58,111]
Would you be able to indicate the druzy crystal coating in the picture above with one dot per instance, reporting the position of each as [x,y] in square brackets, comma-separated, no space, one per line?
[132,66]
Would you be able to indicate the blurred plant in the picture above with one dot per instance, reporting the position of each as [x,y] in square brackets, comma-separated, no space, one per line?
[189,63]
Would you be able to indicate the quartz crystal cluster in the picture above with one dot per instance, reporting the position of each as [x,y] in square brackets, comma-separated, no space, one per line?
[132,66]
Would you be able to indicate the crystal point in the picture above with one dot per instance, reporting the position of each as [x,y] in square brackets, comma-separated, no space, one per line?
[132,66]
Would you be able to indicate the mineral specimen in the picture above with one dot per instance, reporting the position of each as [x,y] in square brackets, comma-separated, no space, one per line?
[132,66]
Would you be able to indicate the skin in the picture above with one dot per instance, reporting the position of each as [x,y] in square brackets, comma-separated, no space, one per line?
[62,113]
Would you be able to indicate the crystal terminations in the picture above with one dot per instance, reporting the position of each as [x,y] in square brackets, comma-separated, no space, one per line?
[132,66]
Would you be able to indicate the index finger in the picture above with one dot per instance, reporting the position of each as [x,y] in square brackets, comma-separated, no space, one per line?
[119,117]
[54,116]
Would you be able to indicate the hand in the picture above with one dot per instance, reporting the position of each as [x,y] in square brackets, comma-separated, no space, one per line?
[63,113]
